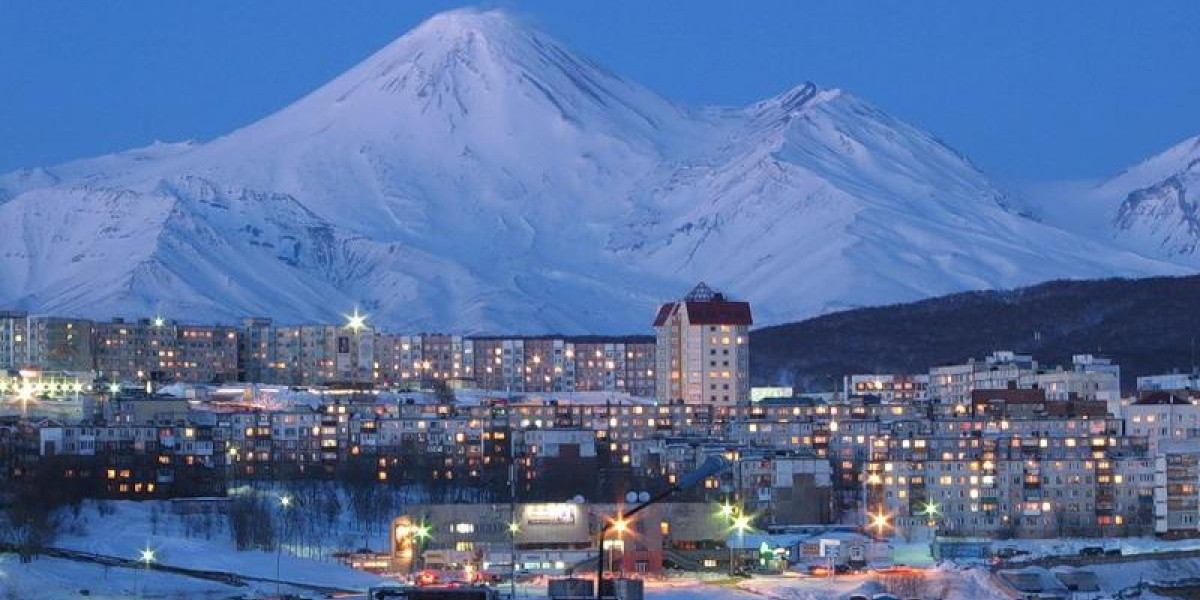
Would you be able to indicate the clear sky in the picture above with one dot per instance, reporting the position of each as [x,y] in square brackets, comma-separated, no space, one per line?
[1029,89]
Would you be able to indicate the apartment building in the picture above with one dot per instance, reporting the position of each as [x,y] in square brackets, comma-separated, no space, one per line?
[1162,417]
[703,349]
[1170,382]
[161,350]
[45,343]
[1089,378]
[1176,489]
[564,364]
[889,388]
[306,354]
[135,461]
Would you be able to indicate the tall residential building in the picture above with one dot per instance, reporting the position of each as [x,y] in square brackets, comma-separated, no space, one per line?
[564,364]
[161,350]
[306,354]
[14,339]
[703,349]
[45,343]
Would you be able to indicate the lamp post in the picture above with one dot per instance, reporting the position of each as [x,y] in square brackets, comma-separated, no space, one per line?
[728,512]
[145,556]
[741,523]
[514,527]
[285,502]
[712,466]
[356,322]
[931,511]
[420,534]
[620,525]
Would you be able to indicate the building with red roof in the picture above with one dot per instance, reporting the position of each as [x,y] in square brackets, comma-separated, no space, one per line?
[703,349]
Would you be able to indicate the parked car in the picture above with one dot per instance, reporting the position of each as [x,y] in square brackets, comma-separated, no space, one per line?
[1091,551]
[1009,552]
[1112,552]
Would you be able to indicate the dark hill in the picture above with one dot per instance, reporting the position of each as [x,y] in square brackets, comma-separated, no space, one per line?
[1148,325]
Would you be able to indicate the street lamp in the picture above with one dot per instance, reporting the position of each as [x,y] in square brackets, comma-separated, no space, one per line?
[620,525]
[145,557]
[356,322]
[712,466]
[931,512]
[285,502]
[727,510]
[880,522]
[741,522]
[420,533]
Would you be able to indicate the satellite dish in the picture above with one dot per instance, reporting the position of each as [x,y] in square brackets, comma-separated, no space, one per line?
[631,497]
[643,496]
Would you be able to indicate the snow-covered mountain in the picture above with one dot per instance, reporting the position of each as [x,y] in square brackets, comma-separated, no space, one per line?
[1152,208]
[475,175]
[1161,206]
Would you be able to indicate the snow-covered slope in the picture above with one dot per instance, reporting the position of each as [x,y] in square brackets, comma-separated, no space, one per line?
[475,175]
[1161,209]
[1152,208]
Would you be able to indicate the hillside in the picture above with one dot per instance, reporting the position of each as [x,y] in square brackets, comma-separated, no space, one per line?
[1148,325]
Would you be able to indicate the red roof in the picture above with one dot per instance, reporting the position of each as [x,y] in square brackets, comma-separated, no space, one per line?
[714,312]
[664,313]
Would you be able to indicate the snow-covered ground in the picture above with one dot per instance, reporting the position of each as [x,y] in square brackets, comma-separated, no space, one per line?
[125,529]
[58,579]
[1071,546]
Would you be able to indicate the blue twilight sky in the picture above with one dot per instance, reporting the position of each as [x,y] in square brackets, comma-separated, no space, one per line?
[1029,89]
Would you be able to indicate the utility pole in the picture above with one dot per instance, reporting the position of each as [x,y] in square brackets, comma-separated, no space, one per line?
[513,527]
[712,466]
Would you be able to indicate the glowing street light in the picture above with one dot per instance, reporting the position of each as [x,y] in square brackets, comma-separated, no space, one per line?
[114,388]
[514,528]
[880,522]
[285,502]
[356,322]
[159,321]
[741,523]
[727,510]
[421,532]
[931,510]
[146,556]
[620,525]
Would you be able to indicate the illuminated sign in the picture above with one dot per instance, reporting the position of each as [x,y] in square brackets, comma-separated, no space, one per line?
[551,514]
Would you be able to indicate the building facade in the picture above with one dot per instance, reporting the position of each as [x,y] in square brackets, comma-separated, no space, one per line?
[703,349]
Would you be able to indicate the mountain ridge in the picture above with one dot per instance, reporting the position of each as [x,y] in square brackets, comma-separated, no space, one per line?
[475,174]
